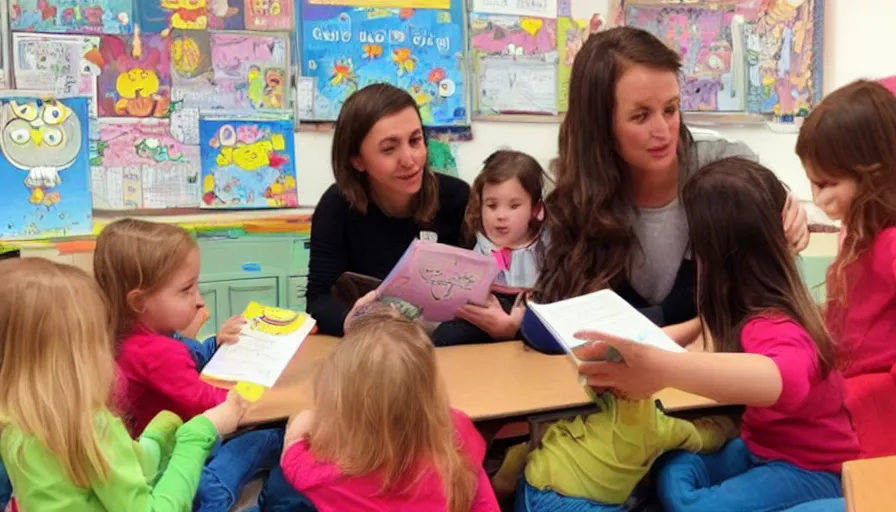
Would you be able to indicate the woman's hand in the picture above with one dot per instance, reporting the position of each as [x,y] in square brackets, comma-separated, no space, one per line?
[636,377]
[360,303]
[796,227]
[492,318]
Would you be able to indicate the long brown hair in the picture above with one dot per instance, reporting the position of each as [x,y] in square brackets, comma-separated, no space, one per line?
[744,264]
[380,407]
[590,210]
[56,364]
[359,113]
[500,166]
[851,135]
[135,255]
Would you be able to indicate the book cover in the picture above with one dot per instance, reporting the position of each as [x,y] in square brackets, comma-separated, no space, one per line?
[604,311]
[437,279]
[267,344]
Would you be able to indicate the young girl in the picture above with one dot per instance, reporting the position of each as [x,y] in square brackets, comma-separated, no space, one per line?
[382,435]
[503,218]
[777,357]
[848,148]
[149,273]
[63,447]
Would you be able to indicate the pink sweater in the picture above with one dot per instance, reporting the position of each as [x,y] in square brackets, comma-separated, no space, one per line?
[158,374]
[866,327]
[808,426]
[330,491]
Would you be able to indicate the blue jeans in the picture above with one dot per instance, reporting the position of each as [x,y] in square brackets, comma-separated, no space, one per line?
[735,480]
[5,487]
[278,496]
[233,464]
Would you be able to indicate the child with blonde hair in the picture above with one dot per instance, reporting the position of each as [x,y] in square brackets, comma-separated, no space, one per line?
[382,435]
[150,275]
[63,447]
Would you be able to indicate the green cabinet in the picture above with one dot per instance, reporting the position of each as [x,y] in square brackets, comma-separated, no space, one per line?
[814,272]
[271,270]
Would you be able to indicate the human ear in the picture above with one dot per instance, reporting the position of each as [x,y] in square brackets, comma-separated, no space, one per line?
[136,300]
[538,211]
[358,163]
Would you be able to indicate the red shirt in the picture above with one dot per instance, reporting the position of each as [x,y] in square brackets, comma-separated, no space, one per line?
[159,374]
[865,330]
[808,426]
[330,491]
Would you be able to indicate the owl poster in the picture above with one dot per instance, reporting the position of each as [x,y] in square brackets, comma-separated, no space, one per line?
[135,80]
[248,163]
[44,168]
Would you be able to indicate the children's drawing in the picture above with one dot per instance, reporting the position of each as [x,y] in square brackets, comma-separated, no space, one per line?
[536,8]
[705,39]
[191,68]
[53,62]
[163,16]
[72,16]
[248,163]
[135,80]
[442,156]
[784,60]
[513,36]
[167,170]
[420,51]
[251,70]
[4,48]
[43,143]
[269,15]
[571,35]
[226,15]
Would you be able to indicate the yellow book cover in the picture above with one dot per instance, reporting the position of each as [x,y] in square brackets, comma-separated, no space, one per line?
[267,344]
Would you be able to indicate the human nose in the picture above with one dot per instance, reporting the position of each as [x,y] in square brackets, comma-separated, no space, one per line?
[407,157]
[660,128]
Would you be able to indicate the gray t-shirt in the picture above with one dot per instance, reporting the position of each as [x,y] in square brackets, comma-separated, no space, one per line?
[663,232]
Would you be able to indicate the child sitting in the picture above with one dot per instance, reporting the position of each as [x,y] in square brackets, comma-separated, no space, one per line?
[65,449]
[382,435]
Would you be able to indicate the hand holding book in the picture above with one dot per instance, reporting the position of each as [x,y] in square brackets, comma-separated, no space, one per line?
[612,362]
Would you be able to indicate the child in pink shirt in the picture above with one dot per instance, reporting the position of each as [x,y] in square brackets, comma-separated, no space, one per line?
[776,358]
[848,148]
[382,436]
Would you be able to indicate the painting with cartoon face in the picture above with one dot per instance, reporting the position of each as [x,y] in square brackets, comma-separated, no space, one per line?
[136,79]
[44,168]
[248,163]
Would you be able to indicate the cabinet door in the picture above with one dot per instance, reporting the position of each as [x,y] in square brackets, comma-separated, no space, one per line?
[295,294]
[241,292]
[814,271]
[211,293]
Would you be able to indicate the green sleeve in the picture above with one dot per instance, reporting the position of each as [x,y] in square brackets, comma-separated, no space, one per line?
[126,487]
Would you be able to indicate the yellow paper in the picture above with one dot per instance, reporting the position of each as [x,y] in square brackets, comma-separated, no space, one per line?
[249,391]
[398,4]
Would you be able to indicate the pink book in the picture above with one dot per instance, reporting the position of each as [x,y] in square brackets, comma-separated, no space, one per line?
[437,279]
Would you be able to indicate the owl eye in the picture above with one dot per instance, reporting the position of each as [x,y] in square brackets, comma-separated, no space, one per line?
[53,113]
[27,111]
[20,136]
[227,135]
[52,136]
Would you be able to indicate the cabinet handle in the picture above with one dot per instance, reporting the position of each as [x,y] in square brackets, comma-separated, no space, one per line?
[250,288]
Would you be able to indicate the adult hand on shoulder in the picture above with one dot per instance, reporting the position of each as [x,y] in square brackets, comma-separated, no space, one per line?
[360,303]
[796,226]
[635,378]
[230,330]
[492,318]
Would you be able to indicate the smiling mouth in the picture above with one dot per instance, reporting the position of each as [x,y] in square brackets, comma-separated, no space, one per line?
[408,176]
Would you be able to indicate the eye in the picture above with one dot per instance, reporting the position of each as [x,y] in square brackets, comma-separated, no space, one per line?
[28,111]
[20,136]
[671,110]
[640,117]
[389,150]
[227,135]
[51,136]
[53,114]
[415,141]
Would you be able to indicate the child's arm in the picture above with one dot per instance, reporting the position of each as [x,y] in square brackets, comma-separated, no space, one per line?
[174,374]
[684,333]
[126,487]
[202,351]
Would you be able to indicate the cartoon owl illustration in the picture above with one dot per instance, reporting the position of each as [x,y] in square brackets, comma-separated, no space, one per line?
[41,137]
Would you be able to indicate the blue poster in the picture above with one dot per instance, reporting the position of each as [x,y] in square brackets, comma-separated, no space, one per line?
[44,169]
[248,163]
[419,50]
[72,16]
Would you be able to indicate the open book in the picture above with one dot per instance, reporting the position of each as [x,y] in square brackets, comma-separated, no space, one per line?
[437,279]
[603,311]
[267,344]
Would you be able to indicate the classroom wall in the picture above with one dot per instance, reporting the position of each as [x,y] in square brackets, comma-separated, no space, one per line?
[855,46]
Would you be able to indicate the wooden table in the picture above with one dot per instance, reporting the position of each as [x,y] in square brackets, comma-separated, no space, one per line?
[870,485]
[493,381]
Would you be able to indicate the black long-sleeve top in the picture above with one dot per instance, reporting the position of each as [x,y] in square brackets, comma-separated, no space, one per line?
[344,240]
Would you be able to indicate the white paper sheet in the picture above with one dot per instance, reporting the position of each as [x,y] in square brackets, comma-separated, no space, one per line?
[534,8]
[517,85]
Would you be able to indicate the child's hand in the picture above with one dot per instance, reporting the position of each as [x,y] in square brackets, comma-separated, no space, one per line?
[230,331]
[635,378]
[228,414]
[297,428]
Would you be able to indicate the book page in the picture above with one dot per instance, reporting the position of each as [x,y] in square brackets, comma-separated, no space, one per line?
[267,344]
[603,311]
